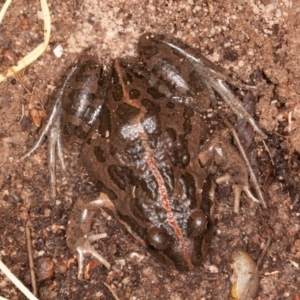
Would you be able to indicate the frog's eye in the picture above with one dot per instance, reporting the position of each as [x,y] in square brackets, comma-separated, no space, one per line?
[158,239]
[199,223]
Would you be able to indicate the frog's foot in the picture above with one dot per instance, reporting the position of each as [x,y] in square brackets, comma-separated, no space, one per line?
[237,189]
[84,249]
[80,221]
[227,158]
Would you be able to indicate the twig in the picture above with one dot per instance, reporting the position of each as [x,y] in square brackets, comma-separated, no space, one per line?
[262,255]
[30,259]
[35,53]
[30,93]
[16,282]
[269,152]
[111,290]
[4,9]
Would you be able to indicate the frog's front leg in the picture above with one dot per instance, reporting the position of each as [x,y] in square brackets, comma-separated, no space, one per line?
[227,158]
[79,226]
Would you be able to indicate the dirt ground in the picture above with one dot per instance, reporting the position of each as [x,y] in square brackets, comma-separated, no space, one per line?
[244,37]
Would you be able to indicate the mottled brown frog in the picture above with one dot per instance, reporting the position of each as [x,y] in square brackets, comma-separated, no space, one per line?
[144,142]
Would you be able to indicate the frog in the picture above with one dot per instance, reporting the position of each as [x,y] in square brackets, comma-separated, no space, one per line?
[141,136]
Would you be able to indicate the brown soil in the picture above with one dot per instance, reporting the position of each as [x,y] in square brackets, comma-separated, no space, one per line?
[245,38]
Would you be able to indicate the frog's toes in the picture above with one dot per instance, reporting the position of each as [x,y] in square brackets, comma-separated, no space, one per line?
[84,248]
[238,189]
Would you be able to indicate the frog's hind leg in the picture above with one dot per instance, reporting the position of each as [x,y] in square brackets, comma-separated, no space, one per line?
[52,129]
[79,226]
[227,158]
[211,75]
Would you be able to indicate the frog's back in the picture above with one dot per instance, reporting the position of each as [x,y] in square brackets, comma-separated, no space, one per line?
[140,132]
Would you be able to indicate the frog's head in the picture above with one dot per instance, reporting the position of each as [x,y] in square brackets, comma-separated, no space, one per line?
[182,250]
[181,243]
[175,232]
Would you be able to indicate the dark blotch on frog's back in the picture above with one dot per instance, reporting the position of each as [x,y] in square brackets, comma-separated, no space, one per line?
[206,189]
[117,92]
[70,129]
[152,122]
[154,93]
[134,94]
[127,78]
[152,107]
[99,154]
[112,150]
[170,105]
[117,89]
[115,77]
[187,126]
[124,177]
[188,186]
[121,176]
[105,121]
[179,155]
[126,112]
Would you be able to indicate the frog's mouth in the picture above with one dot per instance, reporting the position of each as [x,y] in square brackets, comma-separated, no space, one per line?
[172,259]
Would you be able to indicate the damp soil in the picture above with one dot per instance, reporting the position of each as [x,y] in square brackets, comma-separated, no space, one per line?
[256,42]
